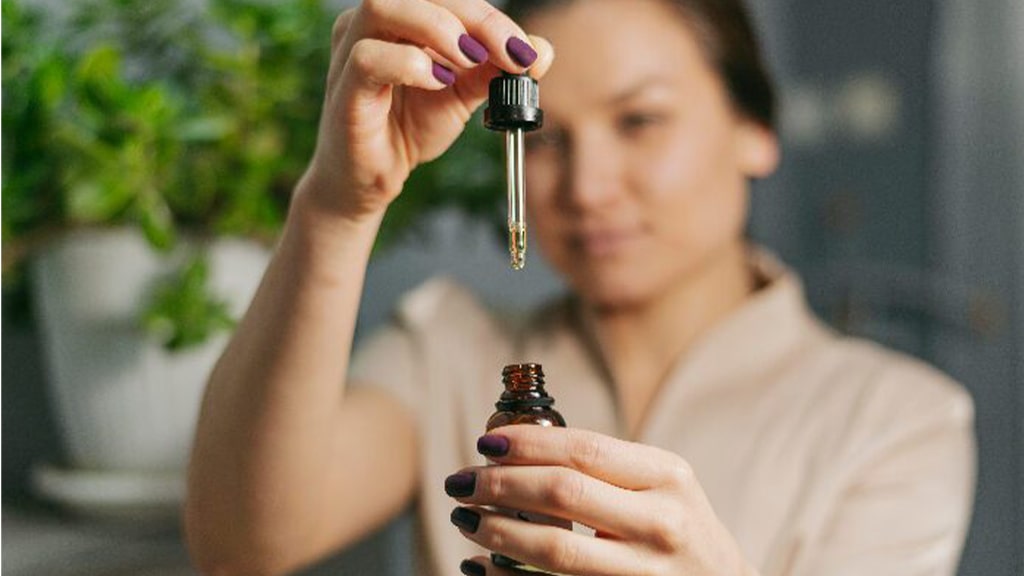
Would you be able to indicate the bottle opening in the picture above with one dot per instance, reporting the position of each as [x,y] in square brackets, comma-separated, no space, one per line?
[522,377]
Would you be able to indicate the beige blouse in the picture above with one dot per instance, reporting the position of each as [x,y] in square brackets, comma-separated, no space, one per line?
[823,455]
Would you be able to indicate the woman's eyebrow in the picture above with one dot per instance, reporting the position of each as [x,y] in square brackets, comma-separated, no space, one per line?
[643,85]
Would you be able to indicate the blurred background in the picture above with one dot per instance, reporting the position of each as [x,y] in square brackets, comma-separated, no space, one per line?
[149,147]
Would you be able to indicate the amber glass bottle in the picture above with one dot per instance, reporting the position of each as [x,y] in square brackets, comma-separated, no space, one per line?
[525,401]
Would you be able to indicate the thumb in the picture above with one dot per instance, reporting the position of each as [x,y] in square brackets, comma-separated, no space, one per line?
[545,56]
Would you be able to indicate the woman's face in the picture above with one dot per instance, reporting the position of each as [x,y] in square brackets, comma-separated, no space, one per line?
[639,177]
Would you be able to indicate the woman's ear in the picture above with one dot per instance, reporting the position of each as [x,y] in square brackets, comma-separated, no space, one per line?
[757,149]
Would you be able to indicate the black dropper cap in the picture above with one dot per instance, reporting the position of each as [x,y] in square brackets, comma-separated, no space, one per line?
[513,102]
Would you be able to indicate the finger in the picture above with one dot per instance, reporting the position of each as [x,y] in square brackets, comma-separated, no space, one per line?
[624,464]
[483,566]
[545,56]
[546,547]
[422,23]
[554,491]
[375,63]
[341,26]
[478,566]
[509,46]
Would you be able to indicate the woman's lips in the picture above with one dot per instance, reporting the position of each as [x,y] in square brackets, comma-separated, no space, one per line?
[604,243]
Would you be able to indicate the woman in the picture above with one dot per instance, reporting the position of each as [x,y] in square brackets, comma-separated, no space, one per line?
[717,427]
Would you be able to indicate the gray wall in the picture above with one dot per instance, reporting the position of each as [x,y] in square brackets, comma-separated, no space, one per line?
[979,220]
[902,202]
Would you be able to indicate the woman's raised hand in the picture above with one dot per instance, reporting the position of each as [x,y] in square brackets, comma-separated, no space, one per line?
[650,513]
[405,76]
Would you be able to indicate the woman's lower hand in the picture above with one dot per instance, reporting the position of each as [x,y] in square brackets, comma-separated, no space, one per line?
[649,511]
[405,76]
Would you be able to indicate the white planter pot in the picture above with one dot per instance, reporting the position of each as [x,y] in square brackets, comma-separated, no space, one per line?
[122,402]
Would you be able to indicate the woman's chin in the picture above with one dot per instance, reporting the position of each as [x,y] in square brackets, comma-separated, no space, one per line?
[611,292]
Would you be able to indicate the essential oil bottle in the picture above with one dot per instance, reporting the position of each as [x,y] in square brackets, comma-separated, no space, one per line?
[525,401]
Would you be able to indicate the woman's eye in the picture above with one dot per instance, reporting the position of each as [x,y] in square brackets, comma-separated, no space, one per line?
[635,123]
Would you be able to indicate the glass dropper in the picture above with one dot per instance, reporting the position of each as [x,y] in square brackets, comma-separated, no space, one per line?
[513,106]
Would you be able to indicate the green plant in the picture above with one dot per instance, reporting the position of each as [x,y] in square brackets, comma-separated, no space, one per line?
[187,124]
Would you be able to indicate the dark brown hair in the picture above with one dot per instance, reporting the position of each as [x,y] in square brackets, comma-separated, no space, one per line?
[725,33]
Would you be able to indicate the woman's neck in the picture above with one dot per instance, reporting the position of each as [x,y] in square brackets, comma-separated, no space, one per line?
[641,343]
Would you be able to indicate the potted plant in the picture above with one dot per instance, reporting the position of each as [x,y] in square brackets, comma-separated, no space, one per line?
[149,149]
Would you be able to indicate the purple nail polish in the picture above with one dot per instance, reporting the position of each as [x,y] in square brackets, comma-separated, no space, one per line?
[473,49]
[492,445]
[460,485]
[466,519]
[444,75]
[521,52]
[470,568]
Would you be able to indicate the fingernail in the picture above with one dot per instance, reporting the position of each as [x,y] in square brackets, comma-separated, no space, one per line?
[460,485]
[505,562]
[444,75]
[470,568]
[492,445]
[466,519]
[521,52]
[472,48]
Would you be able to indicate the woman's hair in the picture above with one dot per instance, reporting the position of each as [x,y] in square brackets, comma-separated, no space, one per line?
[724,31]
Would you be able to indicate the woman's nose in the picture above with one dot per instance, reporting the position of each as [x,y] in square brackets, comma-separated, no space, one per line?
[590,175]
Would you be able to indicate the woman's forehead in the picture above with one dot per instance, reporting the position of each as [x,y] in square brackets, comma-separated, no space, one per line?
[607,48]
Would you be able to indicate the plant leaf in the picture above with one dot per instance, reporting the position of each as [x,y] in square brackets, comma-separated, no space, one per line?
[183,311]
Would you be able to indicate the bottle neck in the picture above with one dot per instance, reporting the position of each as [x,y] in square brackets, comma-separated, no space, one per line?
[524,388]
